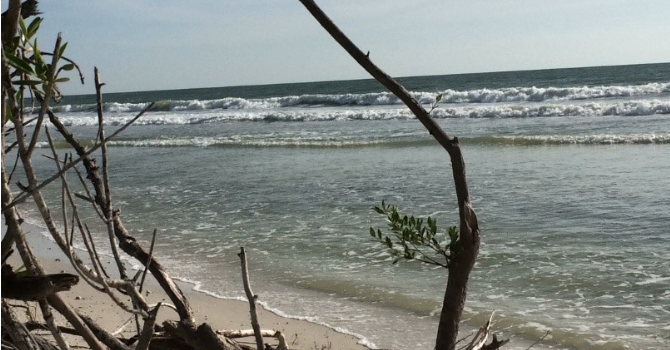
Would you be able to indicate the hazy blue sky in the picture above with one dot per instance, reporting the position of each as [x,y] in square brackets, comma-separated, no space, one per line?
[173,44]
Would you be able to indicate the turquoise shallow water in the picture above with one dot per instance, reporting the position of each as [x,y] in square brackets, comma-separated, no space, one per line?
[567,170]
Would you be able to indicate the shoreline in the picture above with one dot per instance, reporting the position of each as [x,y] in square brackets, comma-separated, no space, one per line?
[221,313]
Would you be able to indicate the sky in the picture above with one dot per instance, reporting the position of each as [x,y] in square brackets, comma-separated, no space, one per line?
[176,44]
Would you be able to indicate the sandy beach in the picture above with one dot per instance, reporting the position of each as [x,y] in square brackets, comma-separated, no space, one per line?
[222,314]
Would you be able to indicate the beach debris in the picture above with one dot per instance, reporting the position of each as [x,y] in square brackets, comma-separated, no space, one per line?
[34,288]
[244,333]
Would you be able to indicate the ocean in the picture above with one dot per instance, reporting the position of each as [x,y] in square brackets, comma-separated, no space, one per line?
[568,172]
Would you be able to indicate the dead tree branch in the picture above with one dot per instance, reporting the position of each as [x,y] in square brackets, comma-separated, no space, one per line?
[105,178]
[244,333]
[462,264]
[20,336]
[82,156]
[34,288]
[252,299]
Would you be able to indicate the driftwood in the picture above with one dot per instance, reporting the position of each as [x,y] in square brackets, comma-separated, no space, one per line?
[478,342]
[202,337]
[34,288]
[103,336]
[16,331]
[252,300]
[244,333]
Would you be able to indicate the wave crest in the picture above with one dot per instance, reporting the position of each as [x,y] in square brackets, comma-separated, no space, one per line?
[503,95]
[629,109]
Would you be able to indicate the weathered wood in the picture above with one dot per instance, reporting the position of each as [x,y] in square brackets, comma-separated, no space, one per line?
[201,338]
[34,288]
[144,340]
[244,333]
[16,331]
[478,342]
[71,316]
[252,300]
[108,209]
[103,336]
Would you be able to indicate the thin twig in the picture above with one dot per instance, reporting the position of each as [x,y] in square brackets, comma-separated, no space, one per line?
[64,203]
[84,271]
[90,198]
[48,91]
[105,178]
[144,275]
[151,254]
[25,195]
[539,340]
[81,75]
[252,300]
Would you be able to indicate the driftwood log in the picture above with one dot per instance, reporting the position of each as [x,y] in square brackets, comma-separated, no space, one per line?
[34,288]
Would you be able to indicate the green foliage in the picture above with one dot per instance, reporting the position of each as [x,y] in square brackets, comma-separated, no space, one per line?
[410,237]
[31,71]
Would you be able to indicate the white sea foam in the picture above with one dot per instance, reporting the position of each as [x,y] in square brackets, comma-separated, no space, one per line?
[502,95]
[197,286]
[627,108]
[279,141]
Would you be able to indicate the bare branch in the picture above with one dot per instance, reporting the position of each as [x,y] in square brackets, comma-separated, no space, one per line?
[252,299]
[105,179]
[243,333]
[539,340]
[148,263]
[462,264]
[145,336]
[22,339]
[24,196]
[48,91]
[53,327]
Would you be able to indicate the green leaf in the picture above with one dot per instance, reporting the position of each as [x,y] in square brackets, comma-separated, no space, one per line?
[37,54]
[62,80]
[372,232]
[438,98]
[33,27]
[19,64]
[389,243]
[22,26]
[68,67]
[379,210]
[62,50]
[40,70]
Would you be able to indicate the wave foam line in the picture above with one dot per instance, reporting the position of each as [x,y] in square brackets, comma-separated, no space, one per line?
[628,109]
[257,141]
[198,287]
[503,95]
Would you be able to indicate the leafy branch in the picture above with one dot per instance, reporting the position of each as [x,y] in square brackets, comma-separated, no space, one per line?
[417,238]
[23,54]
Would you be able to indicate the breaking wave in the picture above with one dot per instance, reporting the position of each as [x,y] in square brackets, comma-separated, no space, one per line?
[503,95]
[629,108]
